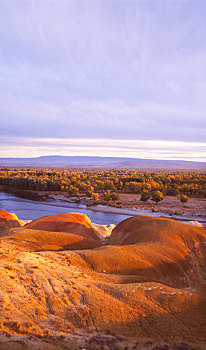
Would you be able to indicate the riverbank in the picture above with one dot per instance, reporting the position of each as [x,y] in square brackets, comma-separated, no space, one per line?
[26,194]
[159,210]
[27,209]
[139,212]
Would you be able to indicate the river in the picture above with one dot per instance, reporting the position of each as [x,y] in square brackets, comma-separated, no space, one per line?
[27,209]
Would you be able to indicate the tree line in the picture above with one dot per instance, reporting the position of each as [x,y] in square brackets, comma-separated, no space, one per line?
[93,183]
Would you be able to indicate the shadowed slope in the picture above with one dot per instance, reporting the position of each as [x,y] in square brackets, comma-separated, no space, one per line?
[153,248]
[57,232]
[38,240]
[7,221]
[150,286]
[56,291]
[150,248]
[143,229]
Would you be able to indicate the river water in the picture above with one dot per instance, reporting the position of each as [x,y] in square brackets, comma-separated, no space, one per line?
[27,209]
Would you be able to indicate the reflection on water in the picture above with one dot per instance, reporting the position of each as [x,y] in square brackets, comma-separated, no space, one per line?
[27,209]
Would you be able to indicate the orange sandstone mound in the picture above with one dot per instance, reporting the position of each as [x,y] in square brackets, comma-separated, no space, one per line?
[153,249]
[7,221]
[143,229]
[56,232]
[148,281]
[71,222]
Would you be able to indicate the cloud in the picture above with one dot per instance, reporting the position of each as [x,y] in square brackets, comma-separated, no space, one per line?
[149,149]
[103,69]
[99,119]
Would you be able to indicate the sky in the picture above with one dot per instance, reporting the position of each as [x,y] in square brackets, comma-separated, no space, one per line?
[103,77]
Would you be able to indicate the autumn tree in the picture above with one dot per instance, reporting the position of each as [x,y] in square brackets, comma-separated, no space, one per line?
[184,198]
[145,196]
[114,196]
[107,196]
[95,196]
[157,196]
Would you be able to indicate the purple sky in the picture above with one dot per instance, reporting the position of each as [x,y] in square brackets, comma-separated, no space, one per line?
[103,70]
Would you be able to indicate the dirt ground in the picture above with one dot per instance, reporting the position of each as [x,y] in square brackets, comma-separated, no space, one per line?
[143,288]
[171,206]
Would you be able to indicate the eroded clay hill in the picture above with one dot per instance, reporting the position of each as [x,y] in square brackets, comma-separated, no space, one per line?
[148,281]
[7,221]
[56,232]
[153,249]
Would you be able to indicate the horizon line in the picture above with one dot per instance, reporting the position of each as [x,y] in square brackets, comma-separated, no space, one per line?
[29,147]
[115,157]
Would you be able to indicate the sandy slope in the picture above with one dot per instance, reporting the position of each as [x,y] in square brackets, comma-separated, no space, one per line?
[56,232]
[7,221]
[148,281]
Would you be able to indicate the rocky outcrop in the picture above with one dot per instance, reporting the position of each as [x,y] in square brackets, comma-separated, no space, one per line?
[148,280]
[153,249]
[7,221]
[103,231]
[196,223]
[57,232]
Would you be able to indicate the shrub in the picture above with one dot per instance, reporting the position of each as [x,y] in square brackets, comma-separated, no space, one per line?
[153,209]
[95,196]
[114,196]
[184,198]
[180,213]
[145,196]
[157,196]
[106,196]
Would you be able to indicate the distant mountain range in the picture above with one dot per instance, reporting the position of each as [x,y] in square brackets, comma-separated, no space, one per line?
[100,162]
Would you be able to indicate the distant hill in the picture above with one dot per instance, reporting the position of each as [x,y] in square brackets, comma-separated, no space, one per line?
[100,162]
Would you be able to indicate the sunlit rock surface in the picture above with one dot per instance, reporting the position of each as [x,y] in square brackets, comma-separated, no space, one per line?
[7,220]
[103,230]
[147,280]
[195,223]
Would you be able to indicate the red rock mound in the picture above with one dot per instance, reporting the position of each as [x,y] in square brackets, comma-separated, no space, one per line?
[57,232]
[153,249]
[144,229]
[7,221]
[152,285]
[71,222]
